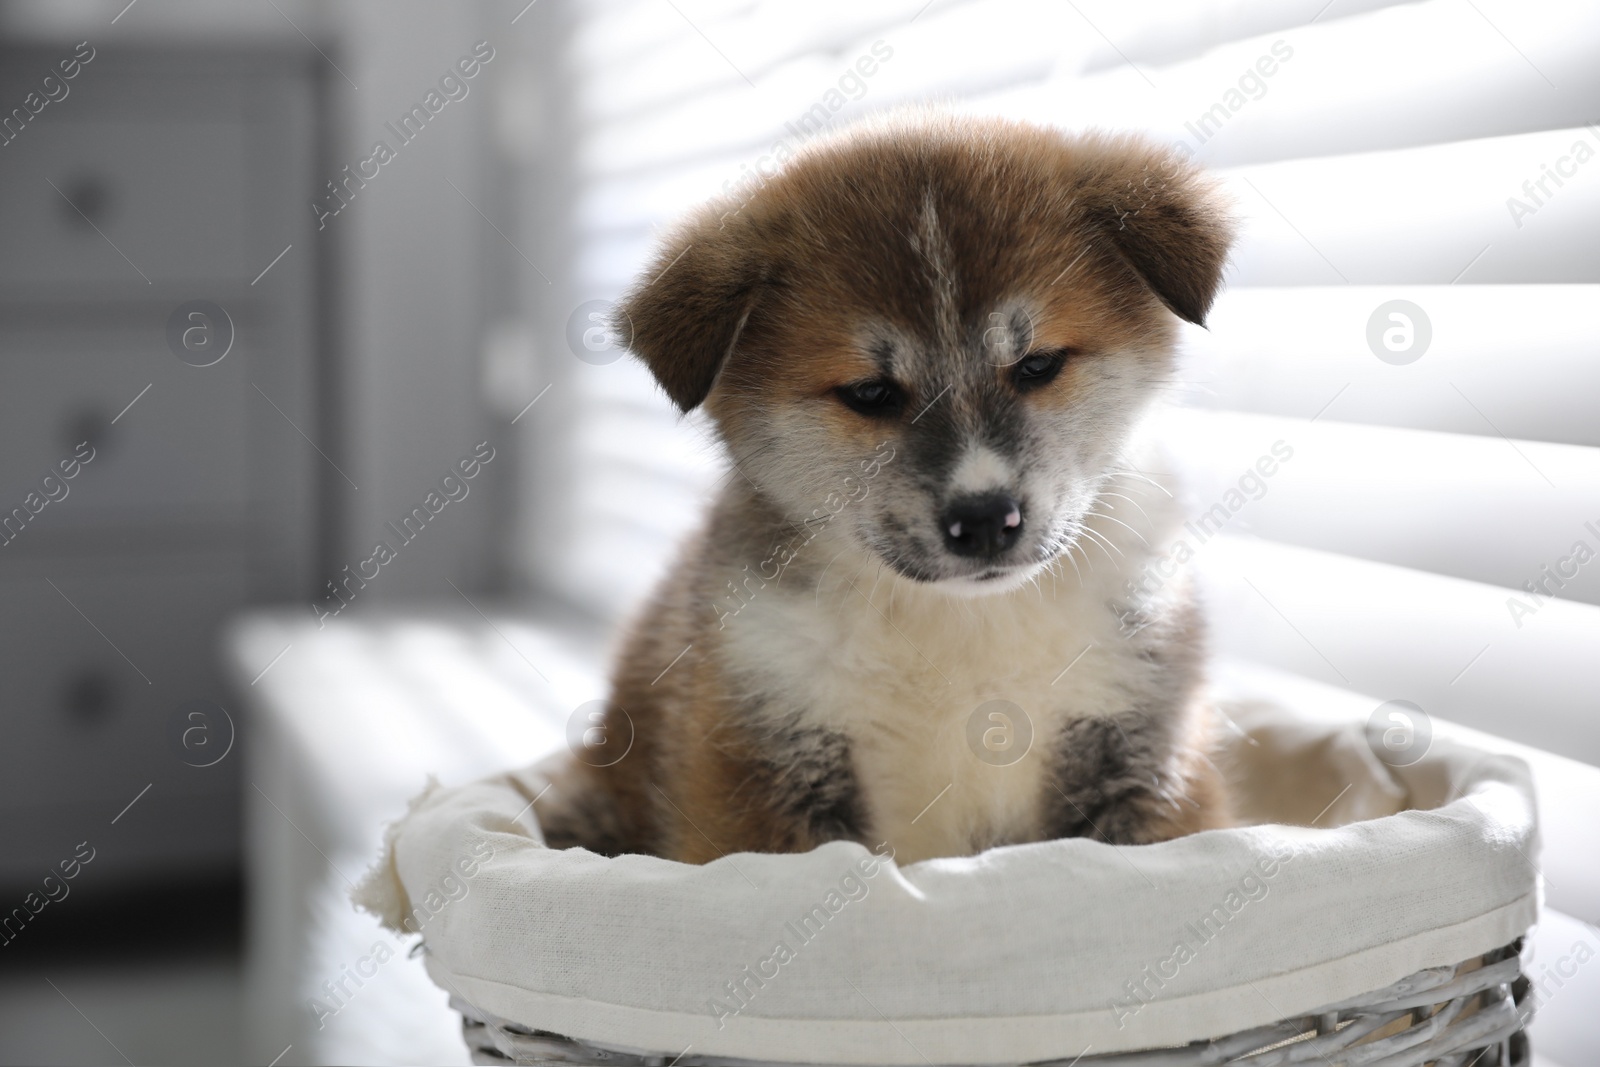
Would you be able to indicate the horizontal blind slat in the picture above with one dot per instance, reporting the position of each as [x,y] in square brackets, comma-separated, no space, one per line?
[1405,497]
[756,43]
[1330,87]
[1389,218]
[1518,360]
[720,111]
[1159,35]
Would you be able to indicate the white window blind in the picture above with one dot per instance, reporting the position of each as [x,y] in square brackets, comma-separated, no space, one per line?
[1438,153]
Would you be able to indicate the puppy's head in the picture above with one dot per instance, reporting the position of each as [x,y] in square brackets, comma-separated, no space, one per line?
[991,304]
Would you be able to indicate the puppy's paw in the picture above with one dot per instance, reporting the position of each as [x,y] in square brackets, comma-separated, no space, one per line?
[1125,780]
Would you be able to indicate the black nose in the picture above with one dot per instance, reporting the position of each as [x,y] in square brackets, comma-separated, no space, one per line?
[983,525]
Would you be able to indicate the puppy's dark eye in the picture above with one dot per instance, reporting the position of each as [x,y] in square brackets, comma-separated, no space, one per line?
[877,397]
[1037,369]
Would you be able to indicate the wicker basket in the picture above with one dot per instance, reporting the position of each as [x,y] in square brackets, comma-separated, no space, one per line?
[1009,958]
[1469,1015]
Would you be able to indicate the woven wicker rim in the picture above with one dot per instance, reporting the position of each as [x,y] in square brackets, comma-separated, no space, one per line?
[1473,1014]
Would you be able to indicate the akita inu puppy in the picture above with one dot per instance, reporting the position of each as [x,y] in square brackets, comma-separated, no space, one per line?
[909,618]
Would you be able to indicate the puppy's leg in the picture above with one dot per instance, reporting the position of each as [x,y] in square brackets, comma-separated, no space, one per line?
[743,789]
[1134,778]
[582,808]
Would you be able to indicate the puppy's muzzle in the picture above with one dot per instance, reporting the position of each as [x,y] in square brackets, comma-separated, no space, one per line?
[981,526]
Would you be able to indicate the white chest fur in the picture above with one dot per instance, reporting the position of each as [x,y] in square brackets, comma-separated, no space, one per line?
[950,704]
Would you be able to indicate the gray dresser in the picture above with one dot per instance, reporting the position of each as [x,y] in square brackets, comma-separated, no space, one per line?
[156,180]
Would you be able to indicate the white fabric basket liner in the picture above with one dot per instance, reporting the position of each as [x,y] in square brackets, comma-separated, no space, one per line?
[1022,953]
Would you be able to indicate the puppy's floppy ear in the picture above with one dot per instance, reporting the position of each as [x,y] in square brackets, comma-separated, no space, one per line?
[1167,220]
[684,315]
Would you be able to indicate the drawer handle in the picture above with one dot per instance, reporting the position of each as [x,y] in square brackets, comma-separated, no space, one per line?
[89,696]
[85,202]
[87,424]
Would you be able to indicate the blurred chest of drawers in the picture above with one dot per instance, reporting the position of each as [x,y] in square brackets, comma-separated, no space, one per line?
[159,396]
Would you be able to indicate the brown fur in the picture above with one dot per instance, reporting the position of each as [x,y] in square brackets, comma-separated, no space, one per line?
[751,307]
